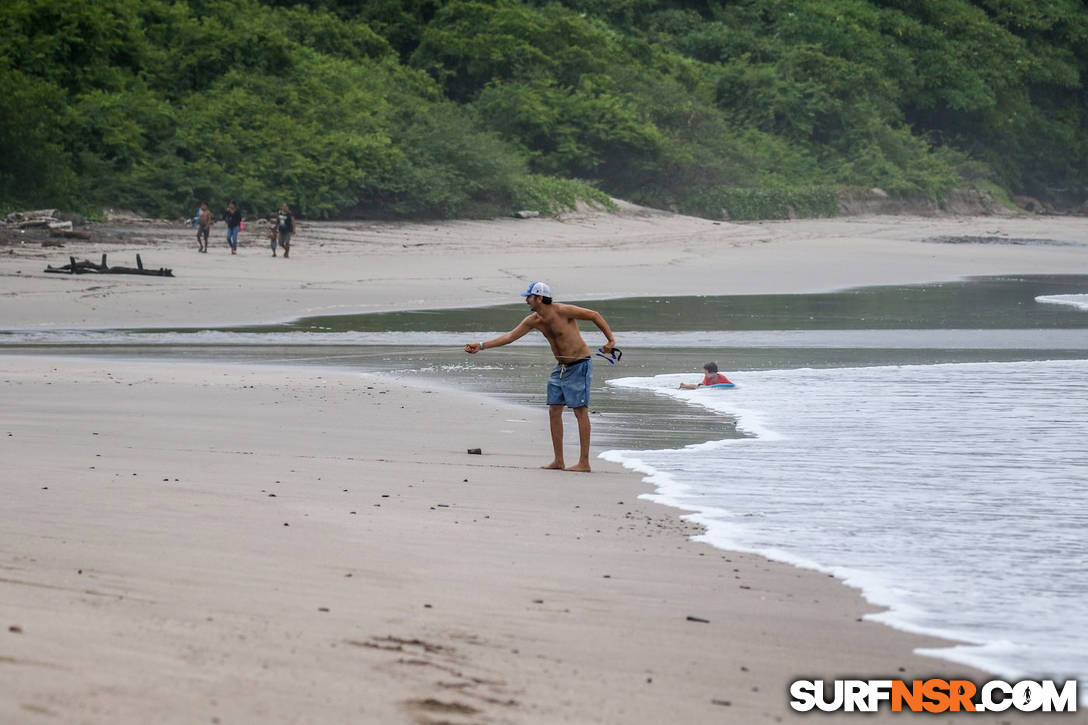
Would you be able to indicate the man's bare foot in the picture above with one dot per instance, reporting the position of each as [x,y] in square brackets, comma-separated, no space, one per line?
[579,468]
[554,466]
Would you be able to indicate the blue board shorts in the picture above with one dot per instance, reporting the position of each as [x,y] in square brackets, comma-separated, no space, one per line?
[569,384]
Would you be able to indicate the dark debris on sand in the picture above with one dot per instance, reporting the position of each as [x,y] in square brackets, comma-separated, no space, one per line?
[1001,240]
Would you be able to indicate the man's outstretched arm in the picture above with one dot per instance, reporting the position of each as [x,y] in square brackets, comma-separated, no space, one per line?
[518,332]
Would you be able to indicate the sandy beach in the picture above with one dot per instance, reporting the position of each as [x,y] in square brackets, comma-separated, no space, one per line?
[188,542]
[340,268]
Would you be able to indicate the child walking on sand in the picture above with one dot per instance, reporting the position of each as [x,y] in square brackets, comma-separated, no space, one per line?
[273,234]
[203,228]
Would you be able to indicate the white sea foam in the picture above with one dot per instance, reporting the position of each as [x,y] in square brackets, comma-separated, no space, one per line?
[1078,301]
[449,368]
[956,495]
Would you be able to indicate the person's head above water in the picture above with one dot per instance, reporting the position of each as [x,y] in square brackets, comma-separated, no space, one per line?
[711,367]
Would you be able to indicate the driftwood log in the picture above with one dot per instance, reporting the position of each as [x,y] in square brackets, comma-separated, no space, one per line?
[69,234]
[87,266]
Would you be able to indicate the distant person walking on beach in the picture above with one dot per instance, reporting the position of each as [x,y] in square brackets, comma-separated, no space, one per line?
[570,380]
[233,217]
[203,227]
[286,228]
[273,233]
[712,377]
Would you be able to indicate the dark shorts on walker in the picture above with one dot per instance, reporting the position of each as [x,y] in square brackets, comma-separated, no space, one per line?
[569,384]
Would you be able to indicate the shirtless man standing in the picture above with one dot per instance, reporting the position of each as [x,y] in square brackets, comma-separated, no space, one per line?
[569,382]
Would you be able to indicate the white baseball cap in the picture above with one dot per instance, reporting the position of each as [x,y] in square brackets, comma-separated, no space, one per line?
[538,288]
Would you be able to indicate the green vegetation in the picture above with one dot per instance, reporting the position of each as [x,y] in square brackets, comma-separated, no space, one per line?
[442,108]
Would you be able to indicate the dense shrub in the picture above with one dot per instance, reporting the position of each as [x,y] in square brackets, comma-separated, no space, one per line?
[739,204]
[468,107]
[551,195]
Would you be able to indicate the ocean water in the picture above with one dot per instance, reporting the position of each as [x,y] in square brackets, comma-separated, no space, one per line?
[954,494]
